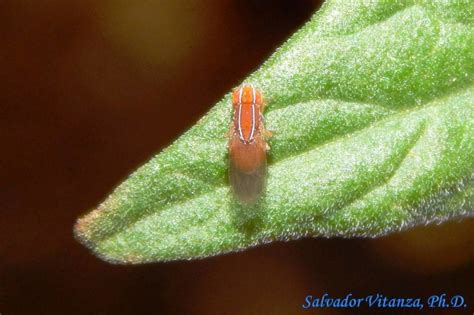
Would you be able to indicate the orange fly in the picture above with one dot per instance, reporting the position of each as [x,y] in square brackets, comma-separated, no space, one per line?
[247,145]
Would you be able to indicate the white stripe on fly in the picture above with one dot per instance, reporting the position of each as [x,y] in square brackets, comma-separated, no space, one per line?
[240,114]
[254,101]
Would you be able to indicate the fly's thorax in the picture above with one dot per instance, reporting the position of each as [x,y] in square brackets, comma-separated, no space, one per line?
[247,104]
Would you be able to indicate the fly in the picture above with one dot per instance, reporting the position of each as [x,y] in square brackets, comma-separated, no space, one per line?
[247,145]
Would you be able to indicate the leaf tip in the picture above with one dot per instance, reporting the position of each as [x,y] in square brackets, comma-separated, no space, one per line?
[85,233]
[82,227]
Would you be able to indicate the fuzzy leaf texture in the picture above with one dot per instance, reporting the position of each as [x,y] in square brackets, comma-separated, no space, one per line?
[372,108]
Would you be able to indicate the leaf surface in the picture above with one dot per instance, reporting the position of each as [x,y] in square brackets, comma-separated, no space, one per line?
[372,108]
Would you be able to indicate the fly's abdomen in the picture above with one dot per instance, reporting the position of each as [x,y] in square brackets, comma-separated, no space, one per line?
[248,170]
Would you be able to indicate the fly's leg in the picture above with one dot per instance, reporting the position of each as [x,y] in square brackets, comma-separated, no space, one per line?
[267,134]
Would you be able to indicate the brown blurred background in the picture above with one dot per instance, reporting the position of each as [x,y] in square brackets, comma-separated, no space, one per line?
[90,90]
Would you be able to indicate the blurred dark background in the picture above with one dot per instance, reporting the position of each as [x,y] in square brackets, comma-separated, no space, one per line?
[90,90]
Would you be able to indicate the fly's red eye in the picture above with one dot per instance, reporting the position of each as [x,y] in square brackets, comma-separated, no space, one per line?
[235,97]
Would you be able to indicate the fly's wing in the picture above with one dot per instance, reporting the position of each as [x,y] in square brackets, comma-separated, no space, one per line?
[248,186]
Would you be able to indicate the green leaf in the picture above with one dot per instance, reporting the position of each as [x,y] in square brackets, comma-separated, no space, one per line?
[372,105]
